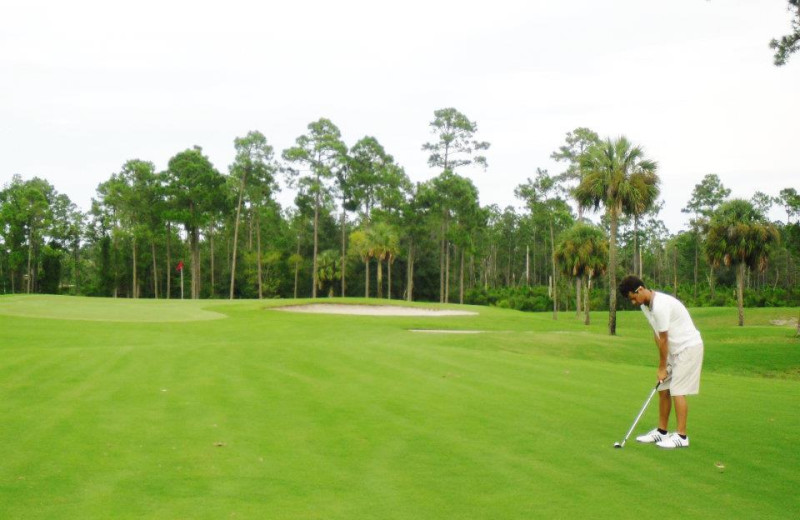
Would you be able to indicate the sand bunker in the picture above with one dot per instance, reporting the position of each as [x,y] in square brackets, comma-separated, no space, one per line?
[370,310]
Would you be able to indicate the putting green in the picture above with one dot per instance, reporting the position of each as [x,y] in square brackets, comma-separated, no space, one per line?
[106,309]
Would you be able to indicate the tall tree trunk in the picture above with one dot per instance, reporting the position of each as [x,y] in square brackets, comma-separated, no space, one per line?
[380,277]
[30,260]
[473,272]
[553,259]
[192,274]
[297,268]
[250,231]
[508,266]
[527,265]
[533,254]
[236,232]
[635,244]
[194,235]
[76,280]
[495,274]
[228,241]
[134,289]
[155,267]
[696,261]
[258,256]
[641,263]
[191,262]
[211,251]
[410,273]
[612,274]
[169,260]
[114,258]
[389,277]
[740,272]
[461,280]
[578,299]
[447,273]
[314,274]
[344,247]
[587,318]
[661,267]
[441,264]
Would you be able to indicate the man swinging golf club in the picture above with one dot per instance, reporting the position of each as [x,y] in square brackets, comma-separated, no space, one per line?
[680,349]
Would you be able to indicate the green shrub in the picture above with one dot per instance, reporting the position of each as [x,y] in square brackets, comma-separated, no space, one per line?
[529,299]
[536,298]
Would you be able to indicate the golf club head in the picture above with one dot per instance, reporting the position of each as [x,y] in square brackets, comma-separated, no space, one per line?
[617,445]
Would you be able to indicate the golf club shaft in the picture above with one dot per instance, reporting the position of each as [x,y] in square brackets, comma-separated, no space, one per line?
[641,412]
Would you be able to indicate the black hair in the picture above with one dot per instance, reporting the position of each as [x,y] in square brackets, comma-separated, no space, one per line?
[629,284]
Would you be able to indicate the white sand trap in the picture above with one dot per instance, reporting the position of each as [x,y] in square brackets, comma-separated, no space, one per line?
[370,310]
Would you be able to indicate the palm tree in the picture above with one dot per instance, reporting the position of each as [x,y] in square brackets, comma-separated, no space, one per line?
[360,246]
[294,261]
[740,236]
[646,190]
[383,244]
[582,253]
[618,177]
[329,269]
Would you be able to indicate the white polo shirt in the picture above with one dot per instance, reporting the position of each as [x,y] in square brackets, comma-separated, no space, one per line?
[669,315]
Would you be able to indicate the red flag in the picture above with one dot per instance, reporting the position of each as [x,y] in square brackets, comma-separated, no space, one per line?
[180,266]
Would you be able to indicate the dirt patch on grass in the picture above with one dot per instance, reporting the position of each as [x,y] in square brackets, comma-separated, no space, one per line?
[371,310]
[791,322]
[442,331]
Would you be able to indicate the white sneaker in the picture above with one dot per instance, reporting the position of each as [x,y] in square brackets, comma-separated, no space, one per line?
[673,441]
[652,436]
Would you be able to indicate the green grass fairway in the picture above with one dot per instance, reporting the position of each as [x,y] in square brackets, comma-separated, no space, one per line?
[215,409]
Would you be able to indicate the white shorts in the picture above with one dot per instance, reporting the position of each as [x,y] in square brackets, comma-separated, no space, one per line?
[684,369]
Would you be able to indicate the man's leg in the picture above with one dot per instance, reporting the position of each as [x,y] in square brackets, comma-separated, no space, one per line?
[685,381]
[681,412]
[664,408]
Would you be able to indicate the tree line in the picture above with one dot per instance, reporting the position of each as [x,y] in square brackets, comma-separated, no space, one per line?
[359,227]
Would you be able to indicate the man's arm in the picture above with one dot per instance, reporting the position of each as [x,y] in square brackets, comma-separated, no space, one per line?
[663,351]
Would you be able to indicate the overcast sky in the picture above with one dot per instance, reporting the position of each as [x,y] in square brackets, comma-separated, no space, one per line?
[86,85]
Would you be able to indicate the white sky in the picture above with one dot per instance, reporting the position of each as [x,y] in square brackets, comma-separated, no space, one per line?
[86,85]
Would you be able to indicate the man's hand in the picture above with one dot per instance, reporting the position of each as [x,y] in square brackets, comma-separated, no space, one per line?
[662,374]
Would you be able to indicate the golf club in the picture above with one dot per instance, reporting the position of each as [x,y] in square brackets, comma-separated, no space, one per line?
[641,412]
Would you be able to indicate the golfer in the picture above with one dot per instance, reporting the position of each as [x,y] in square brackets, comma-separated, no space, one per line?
[680,350]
